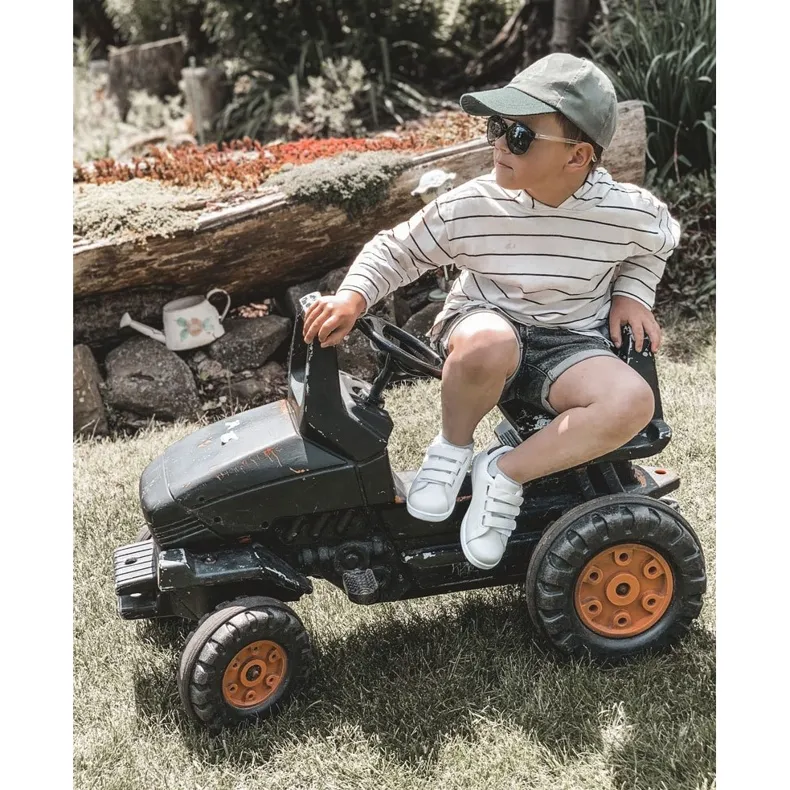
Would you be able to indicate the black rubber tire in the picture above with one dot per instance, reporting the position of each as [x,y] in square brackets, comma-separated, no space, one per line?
[571,541]
[218,637]
[143,534]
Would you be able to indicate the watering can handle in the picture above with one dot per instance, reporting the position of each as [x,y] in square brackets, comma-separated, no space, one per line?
[227,306]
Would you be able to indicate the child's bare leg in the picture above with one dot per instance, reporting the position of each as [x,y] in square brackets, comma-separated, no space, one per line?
[483,353]
[601,402]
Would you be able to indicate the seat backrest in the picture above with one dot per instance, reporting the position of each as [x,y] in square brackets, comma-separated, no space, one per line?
[644,363]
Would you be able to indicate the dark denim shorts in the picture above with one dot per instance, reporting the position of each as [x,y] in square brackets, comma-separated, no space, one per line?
[545,354]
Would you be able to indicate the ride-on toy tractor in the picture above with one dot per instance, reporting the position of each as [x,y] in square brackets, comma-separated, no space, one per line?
[243,512]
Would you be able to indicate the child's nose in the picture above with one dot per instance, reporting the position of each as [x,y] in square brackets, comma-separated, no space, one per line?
[501,144]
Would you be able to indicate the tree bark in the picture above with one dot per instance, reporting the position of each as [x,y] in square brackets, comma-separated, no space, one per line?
[569,18]
[154,68]
[264,245]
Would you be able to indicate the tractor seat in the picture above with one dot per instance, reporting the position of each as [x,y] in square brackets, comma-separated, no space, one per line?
[522,420]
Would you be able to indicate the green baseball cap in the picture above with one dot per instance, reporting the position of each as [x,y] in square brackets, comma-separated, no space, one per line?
[562,83]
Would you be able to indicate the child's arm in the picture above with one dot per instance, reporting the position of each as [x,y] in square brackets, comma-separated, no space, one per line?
[392,258]
[634,288]
[396,257]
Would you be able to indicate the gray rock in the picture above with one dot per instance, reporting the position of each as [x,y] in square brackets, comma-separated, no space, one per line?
[264,385]
[205,368]
[421,322]
[89,414]
[401,309]
[385,308]
[146,378]
[97,318]
[355,356]
[249,342]
[329,283]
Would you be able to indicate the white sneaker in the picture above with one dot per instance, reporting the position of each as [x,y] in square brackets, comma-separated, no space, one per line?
[491,517]
[432,494]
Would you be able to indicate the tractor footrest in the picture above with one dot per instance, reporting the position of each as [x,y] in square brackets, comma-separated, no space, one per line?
[361,586]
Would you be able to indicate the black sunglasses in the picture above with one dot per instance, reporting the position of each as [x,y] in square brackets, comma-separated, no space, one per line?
[518,136]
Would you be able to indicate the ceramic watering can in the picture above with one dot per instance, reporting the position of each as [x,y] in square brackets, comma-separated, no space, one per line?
[189,322]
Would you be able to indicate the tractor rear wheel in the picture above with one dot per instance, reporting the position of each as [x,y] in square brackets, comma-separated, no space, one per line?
[616,576]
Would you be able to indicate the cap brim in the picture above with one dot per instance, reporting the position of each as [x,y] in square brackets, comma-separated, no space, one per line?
[503,101]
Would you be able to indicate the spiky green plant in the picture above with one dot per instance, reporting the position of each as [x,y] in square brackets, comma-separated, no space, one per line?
[663,52]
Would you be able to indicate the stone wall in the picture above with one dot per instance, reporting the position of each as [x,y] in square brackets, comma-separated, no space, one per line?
[124,387]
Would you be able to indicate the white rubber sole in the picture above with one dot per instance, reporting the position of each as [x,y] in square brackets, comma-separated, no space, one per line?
[428,516]
[472,560]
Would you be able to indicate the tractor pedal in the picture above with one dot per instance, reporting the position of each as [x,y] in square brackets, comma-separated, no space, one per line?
[507,434]
[361,585]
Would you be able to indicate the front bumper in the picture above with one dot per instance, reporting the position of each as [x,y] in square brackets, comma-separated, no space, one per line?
[154,582]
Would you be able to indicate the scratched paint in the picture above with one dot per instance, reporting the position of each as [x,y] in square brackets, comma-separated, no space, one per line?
[270,453]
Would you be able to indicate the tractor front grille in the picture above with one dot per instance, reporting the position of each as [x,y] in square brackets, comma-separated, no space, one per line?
[181,533]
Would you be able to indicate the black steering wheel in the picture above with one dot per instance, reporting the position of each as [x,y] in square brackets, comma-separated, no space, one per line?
[411,353]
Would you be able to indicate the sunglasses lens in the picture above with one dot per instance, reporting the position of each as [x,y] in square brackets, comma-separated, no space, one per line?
[495,129]
[519,139]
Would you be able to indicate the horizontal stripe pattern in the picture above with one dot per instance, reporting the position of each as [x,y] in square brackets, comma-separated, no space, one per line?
[541,265]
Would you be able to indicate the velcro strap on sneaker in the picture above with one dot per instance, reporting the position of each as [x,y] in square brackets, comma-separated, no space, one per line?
[499,523]
[442,464]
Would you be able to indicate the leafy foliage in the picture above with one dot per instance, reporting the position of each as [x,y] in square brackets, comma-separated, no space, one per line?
[330,106]
[663,52]
[140,21]
[689,281]
[276,46]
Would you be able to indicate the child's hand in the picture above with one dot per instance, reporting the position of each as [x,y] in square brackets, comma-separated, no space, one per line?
[331,318]
[638,317]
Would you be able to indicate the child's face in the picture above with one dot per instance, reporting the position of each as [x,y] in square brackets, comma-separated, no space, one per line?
[546,163]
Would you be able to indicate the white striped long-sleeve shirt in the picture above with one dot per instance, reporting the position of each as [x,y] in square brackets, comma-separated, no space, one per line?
[541,265]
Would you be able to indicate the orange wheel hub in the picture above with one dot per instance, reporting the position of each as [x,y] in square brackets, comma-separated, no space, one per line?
[254,674]
[624,590]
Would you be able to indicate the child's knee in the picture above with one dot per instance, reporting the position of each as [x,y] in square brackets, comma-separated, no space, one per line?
[483,352]
[632,406]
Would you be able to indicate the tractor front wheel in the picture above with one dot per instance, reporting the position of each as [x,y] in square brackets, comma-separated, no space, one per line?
[243,662]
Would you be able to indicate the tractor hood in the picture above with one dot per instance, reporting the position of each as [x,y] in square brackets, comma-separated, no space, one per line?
[236,474]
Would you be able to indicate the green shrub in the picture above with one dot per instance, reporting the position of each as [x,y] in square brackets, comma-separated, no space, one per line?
[470,25]
[276,45]
[689,281]
[141,21]
[663,52]
[330,107]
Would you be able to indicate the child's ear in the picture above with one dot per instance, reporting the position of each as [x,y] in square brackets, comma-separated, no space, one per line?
[580,156]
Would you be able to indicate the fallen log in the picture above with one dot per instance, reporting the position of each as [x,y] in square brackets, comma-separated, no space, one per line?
[264,245]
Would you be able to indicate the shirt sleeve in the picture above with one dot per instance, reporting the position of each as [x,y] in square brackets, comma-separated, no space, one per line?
[640,274]
[396,257]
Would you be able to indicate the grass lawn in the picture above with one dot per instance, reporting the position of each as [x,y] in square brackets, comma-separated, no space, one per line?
[448,692]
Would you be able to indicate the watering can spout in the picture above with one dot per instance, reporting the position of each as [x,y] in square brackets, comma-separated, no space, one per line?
[155,334]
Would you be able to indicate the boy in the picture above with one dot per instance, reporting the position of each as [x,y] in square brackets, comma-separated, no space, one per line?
[555,258]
